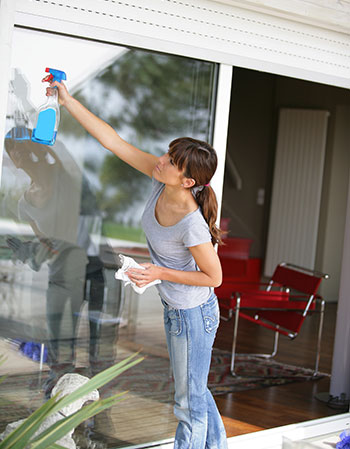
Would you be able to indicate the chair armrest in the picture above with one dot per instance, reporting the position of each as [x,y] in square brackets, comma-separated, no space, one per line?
[271,295]
[227,288]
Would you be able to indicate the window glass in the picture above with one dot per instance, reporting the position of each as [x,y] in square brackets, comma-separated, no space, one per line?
[69,210]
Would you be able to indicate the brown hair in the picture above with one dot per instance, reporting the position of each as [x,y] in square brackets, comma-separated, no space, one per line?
[198,160]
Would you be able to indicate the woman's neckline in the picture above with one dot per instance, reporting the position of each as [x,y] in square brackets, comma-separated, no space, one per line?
[175,224]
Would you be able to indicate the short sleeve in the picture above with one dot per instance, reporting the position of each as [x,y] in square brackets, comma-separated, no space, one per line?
[196,231]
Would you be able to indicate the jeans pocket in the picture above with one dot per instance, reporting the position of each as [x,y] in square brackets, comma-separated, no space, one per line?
[173,320]
[211,315]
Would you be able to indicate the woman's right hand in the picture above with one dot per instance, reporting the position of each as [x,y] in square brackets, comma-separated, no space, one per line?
[63,94]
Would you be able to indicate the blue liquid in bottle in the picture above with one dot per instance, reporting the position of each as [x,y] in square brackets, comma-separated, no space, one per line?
[48,119]
[45,131]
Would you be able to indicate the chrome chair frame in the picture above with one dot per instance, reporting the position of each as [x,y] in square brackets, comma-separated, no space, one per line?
[235,312]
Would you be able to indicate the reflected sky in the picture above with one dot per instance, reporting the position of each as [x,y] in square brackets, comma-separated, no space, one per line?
[80,59]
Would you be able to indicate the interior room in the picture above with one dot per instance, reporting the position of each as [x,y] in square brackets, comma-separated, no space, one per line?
[256,101]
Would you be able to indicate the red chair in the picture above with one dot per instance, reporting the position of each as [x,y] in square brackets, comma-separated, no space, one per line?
[235,261]
[282,311]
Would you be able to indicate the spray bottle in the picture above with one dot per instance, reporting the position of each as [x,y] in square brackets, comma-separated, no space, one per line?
[49,114]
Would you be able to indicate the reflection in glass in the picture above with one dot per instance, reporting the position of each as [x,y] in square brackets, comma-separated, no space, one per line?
[68,210]
[150,99]
[65,230]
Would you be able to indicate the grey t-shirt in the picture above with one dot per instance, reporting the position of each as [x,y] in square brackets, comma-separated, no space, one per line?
[169,247]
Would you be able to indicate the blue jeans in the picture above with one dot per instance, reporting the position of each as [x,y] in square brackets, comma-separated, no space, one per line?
[190,336]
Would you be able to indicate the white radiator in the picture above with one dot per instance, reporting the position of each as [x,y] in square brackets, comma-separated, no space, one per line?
[297,185]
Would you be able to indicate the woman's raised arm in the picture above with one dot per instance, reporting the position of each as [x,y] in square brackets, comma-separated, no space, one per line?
[104,133]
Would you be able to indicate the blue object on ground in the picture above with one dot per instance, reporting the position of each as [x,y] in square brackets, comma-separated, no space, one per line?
[32,350]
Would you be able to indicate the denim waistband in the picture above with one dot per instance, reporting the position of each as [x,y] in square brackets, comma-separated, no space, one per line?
[165,304]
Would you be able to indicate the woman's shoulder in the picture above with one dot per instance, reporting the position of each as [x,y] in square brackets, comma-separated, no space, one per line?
[195,229]
[194,222]
[196,217]
[156,184]
[156,187]
[154,192]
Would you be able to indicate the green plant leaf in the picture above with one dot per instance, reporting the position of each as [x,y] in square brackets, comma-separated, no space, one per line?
[56,446]
[20,437]
[65,425]
[100,379]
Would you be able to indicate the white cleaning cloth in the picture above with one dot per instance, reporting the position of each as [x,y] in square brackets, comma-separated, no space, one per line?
[127,263]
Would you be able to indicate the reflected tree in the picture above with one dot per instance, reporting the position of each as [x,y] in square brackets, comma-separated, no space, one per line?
[149,99]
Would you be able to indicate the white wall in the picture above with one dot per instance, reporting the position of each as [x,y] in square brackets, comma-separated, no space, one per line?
[335,202]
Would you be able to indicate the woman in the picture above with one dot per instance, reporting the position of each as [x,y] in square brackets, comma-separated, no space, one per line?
[179,223]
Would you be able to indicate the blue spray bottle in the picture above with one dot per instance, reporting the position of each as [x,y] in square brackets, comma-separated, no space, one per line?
[49,114]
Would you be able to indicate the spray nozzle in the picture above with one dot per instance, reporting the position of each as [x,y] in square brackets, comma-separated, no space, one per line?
[55,75]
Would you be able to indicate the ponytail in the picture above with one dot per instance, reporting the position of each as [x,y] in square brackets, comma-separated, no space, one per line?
[198,160]
[206,199]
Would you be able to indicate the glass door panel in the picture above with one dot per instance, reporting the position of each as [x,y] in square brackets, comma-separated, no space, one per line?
[68,210]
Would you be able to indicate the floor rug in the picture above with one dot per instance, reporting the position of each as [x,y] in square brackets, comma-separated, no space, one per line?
[153,375]
[253,373]
[151,379]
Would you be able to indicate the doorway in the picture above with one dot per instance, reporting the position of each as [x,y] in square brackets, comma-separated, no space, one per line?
[256,101]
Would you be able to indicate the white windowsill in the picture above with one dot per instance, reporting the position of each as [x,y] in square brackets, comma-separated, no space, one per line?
[272,438]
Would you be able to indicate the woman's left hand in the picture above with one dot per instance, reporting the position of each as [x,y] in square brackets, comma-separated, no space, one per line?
[143,277]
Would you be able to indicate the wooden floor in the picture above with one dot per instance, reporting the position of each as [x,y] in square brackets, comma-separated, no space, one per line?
[242,412]
[252,410]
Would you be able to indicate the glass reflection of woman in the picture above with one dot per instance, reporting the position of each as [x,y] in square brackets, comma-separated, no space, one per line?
[179,223]
[52,206]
